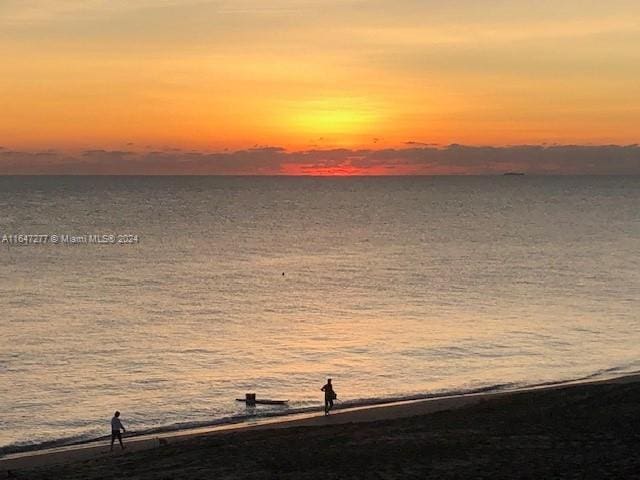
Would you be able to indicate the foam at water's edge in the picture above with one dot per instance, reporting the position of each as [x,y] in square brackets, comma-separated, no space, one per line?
[364,402]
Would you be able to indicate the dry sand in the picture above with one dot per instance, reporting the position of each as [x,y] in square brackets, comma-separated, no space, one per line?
[585,430]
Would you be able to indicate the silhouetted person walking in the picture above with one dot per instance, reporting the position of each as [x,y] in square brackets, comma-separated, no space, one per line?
[329,396]
[116,426]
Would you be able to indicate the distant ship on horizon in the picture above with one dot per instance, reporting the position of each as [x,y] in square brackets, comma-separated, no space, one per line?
[513,173]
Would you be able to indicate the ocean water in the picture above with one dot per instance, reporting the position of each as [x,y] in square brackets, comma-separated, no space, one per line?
[394,287]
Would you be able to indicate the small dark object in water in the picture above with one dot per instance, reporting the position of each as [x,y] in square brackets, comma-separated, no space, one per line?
[513,173]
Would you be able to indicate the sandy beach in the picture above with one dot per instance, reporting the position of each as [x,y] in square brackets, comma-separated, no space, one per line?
[583,430]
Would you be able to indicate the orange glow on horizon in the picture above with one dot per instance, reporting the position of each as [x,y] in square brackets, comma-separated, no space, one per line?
[342,170]
[338,171]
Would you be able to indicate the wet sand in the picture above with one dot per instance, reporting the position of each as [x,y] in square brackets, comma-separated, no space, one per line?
[587,430]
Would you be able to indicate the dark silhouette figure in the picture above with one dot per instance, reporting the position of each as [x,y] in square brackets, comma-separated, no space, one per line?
[116,426]
[329,396]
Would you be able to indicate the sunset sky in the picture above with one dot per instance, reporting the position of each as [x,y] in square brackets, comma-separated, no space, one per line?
[92,86]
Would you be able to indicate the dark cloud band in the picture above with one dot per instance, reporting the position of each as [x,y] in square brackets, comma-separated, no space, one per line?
[418,159]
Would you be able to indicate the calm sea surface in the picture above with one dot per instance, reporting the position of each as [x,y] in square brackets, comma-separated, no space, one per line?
[392,286]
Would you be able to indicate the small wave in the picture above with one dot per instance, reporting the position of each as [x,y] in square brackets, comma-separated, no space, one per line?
[609,372]
[26,446]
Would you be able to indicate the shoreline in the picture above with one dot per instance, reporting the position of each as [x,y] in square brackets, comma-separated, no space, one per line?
[346,415]
[250,419]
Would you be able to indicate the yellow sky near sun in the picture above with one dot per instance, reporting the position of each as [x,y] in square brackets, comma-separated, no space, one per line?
[311,73]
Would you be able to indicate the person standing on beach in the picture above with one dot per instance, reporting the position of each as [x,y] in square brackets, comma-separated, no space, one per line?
[116,426]
[329,396]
